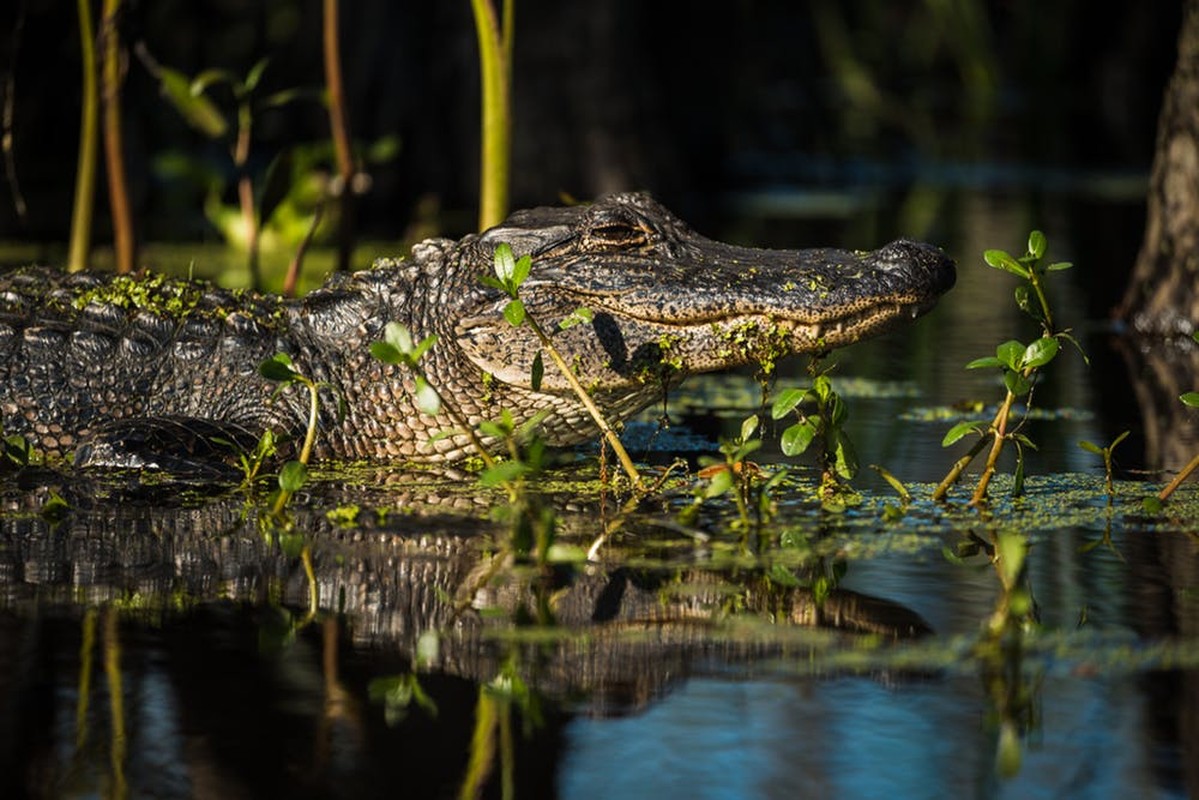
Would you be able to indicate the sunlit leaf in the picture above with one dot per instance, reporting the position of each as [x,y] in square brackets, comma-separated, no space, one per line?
[423,346]
[398,336]
[1090,447]
[514,312]
[1037,244]
[505,264]
[999,259]
[1190,399]
[988,361]
[1010,353]
[1058,266]
[1039,353]
[293,476]
[749,426]
[520,270]
[961,429]
[427,399]
[786,402]
[797,438]
[387,353]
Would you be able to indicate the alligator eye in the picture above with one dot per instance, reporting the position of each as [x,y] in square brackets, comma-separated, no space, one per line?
[618,234]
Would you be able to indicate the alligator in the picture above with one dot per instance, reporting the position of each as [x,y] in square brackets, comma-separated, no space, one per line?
[132,371]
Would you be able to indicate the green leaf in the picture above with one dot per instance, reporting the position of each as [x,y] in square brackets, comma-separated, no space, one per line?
[797,438]
[846,458]
[293,476]
[423,346]
[578,316]
[1190,398]
[786,402]
[1058,266]
[494,283]
[387,353]
[1090,447]
[988,361]
[749,426]
[1011,354]
[721,482]
[255,75]
[278,368]
[196,109]
[1152,505]
[398,336]
[999,259]
[505,265]
[503,472]
[538,372]
[1039,353]
[514,312]
[1037,244]
[1016,383]
[823,387]
[276,185]
[961,429]
[521,269]
[1117,440]
[427,399]
[208,77]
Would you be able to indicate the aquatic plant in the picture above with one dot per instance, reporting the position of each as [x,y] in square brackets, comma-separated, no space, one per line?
[1106,454]
[294,473]
[510,273]
[1020,364]
[111,77]
[1189,399]
[190,97]
[837,459]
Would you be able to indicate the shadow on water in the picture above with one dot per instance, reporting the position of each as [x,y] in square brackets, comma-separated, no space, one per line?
[164,639]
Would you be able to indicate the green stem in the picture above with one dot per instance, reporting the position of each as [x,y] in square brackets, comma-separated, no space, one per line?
[495,54]
[118,188]
[340,131]
[596,415]
[85,175]
[956,470]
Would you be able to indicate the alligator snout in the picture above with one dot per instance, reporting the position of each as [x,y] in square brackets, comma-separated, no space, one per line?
[924,264]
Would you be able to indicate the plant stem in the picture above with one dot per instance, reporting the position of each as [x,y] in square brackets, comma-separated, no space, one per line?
[999,425]
[245,189]
[955,471]
[85,170]
[118,189]
[596,415]
[1178,479]
[495,75]
[340,131]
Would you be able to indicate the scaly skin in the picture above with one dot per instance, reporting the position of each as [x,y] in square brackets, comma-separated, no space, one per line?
[115,368]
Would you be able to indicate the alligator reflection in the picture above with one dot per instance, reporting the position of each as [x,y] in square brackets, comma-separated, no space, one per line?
[214,675]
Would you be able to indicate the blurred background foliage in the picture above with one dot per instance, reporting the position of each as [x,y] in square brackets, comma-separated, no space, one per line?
[791,116]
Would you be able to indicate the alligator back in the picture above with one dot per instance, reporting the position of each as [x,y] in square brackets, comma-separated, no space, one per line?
[80,351]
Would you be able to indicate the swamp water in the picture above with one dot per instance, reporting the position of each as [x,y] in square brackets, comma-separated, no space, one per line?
[158,640]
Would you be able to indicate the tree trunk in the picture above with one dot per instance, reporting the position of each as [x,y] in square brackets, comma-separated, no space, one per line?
[1162,297]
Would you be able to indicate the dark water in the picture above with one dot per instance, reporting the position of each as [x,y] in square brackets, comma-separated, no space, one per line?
[160,641]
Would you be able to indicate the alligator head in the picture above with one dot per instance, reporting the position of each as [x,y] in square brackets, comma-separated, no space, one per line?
[668,302]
